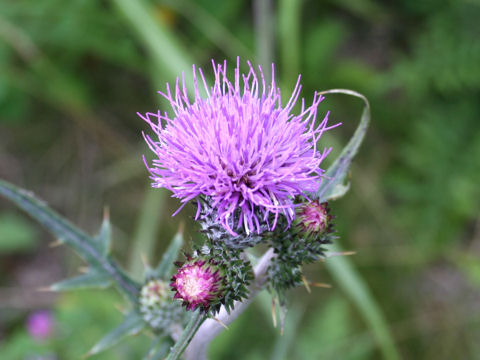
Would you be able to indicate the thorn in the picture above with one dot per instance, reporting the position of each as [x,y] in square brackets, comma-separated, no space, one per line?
[321,285]
[106,213]
[342,253]
[83,269]
[305,282]
[181,227]
[274,315]
[144,258]
[220,322]
[55,243]
[45,289]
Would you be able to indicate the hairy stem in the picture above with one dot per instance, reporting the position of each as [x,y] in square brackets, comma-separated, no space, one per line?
[197,350]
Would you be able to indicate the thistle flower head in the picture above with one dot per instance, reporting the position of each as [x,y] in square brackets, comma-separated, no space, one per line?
[40,324]
[238,148]
[198,284]
[314,218]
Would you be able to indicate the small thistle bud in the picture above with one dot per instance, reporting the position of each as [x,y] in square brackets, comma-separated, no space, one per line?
[199,284]
[313,218]
[156,307]
[154,293]
[303,244]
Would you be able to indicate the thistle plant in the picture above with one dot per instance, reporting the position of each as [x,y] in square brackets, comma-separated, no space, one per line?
[252,166]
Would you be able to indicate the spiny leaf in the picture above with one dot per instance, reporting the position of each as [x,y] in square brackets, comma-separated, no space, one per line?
[131,325]
[92,279]
[86,246]
[334,185]
[59,226]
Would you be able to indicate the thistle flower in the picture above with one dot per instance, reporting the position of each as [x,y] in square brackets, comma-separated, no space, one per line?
[198,284]
[237,148]
[313,218]
[40,324]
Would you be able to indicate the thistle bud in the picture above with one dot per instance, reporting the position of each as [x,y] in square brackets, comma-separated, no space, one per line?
[199,284]
[156,307]
[313,218]
[153,293]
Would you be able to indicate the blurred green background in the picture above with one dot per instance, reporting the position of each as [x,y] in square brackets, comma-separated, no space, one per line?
[74,73]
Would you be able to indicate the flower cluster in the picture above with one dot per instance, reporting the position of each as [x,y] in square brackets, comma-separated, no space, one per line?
[238,150]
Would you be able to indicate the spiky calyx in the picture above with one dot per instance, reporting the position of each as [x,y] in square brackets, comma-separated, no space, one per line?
[156,306]
[199,283]
[314,219]
[217,233]
[303,243]
[215,274]
[237,270]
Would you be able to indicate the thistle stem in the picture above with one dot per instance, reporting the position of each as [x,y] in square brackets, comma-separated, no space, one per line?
[210,329]
[195,321]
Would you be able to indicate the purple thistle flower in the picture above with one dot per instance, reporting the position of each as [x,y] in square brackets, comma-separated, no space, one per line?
[238,149]
[198,283]
[40,324]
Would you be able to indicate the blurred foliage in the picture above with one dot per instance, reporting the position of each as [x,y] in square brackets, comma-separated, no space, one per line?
[73,74]
[87,310]
[16,234]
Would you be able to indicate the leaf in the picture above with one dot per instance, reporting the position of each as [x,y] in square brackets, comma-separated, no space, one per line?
[164,47]
[60,227]
[131,325]
[165,266]
[355,287]
[334,186]
[338,191]
[159,349]
[87,247]
[92,279]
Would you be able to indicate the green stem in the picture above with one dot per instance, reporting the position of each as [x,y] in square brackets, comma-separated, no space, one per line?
[195,321]
[289,20]
[264,33]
